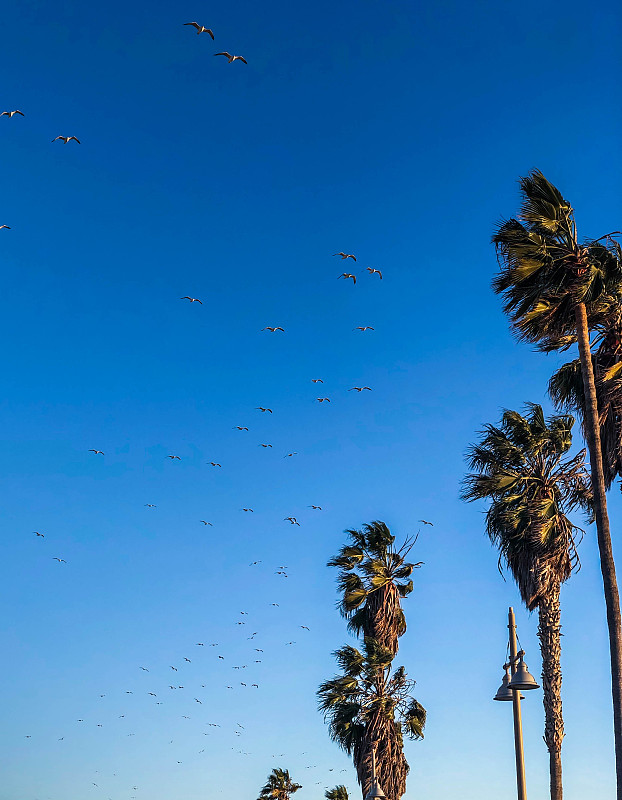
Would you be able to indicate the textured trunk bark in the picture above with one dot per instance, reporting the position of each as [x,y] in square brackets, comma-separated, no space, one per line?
[607,566]
[549,633]
[391,765]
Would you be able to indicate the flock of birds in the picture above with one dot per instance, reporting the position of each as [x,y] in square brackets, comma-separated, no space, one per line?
[155,688]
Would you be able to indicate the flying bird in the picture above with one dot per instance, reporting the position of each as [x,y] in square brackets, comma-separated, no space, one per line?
[200,644]
[359,388]
[252,564]
[42,535]
[345,255]
[175,668]
[187,659]
[12,113]
[144,669]
[323,399]
[318,508]
[192,299]
[248,509]
[175,457]
[60,560]
[363,328]
[231,58]
[66,139]
[372,271]
[152,694]
[201,28]
[347,275]
[240,428]
[223,658]
[305,628]
[8,227]
[316,380]
[261,408]
[290,454]
[264,445]
[278,328]
[425,522]
[205,522]
[149,505]
[214,464]
[293,520]
[97,452]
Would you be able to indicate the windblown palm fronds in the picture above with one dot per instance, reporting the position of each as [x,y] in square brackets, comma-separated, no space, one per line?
[338,793]
[370,706]
[374,577]
[279,786]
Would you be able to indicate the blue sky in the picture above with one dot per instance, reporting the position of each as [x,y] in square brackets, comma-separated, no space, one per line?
[390,130]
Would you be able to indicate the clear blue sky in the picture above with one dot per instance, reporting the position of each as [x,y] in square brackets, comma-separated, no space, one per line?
[392,130]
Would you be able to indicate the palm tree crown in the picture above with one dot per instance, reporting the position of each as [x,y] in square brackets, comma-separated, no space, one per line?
[374,577]
[279,786]
[520,468]
[338,793]
[369,705]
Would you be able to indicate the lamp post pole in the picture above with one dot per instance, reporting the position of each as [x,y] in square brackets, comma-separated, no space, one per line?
[518,724]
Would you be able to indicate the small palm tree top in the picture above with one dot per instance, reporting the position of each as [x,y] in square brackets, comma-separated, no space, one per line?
[369,563]
[519,466]
[279,786]
[545,272]
[338,793]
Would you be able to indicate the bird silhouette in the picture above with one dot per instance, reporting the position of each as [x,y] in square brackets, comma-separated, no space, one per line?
[345,255]
[323,399]
[42,535]
[264,445]
[231,58]
[316,380]
[214,464]
[359,388]
[248,509]
[192,299]
[372,271]
[66,139]
[12,113]
[8,227]
[252,564]
[347,275]
[175,457]
[97,452]
[261,408]
[304,627]
[149,505]
[201,28]
[292,520]
[187,659]
[425,522]
[144,669]
[205,522]
[363,328]
[289,455]
[278,328]
[240,428]
[60,560]
[318,508]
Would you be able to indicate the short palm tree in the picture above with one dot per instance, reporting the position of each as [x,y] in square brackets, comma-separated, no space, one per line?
[279,786]
[370,707]
[374,577]
[520,468]
[555,291]
[338,793]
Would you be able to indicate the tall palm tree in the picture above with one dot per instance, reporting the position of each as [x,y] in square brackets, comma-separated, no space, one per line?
[555,290]
[374,577]
[370,707]
[338,793]
[279,786]
[519,467]
[566,391]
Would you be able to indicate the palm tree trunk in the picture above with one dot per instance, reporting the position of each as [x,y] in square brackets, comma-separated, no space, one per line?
[549,633]
[607,565]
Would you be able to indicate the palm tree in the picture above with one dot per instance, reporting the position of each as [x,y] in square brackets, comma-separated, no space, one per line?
[519,467]
[555,290]
[279,786]
[566,391]
[338,793]
[374,577]
[368,706]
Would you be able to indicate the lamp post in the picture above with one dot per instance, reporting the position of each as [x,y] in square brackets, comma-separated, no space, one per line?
[375,792]
[510,690]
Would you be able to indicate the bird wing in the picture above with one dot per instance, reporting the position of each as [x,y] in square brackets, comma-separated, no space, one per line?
[223,54]
[240,58]
[196,24]
[211,33]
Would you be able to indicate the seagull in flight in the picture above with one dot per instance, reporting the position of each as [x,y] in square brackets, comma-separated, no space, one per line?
[66,139]
[359,388]
[205,522]
[316,380]
[144,669]
[305,628]
[60,560]
[318,508]
[192,299]
[261,408]
[97,452]
[264,445]
[323,399]
[372,271]
[252,564]
[201,28]
[345,255]
[42,535]
[12,113]
[425,522]
[8,227]
[290,454]
[248,509]
[240,428]
[214,464]
[175,457]
[231,58]
[347,275]
[149,505]
[278,328]
[293,520]
[363,328]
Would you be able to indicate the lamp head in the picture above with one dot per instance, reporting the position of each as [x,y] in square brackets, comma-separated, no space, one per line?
[522,678]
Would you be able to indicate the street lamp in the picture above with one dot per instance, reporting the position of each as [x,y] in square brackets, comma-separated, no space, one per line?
[516,677]
[375,792]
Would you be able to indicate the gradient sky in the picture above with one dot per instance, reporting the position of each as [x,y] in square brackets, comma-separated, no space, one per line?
[392,130]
